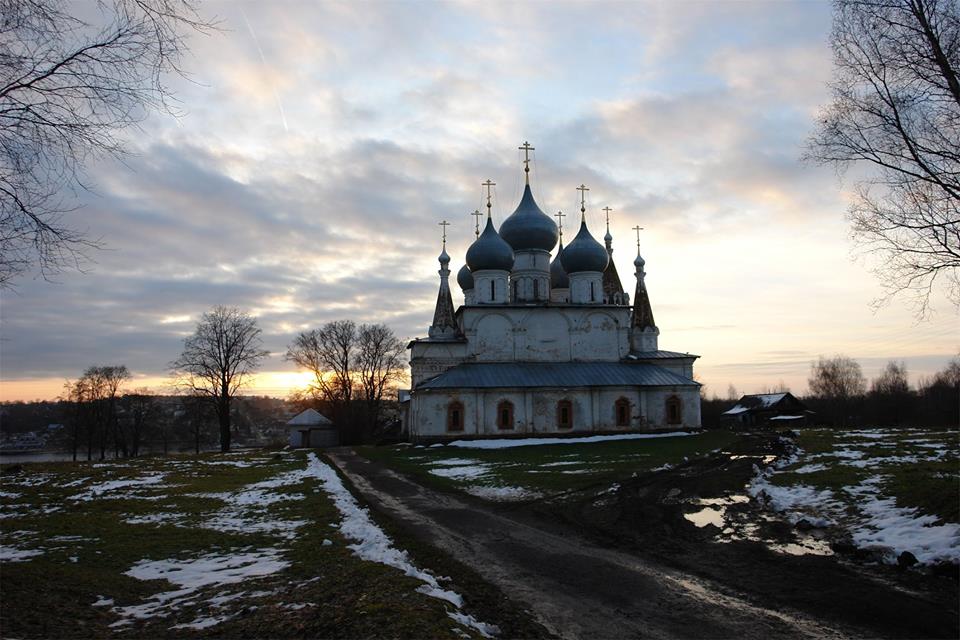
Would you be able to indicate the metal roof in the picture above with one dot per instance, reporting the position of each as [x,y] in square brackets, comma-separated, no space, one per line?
[496,375]
[652,355]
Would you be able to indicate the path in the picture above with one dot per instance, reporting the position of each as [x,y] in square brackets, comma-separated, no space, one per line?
[573,588]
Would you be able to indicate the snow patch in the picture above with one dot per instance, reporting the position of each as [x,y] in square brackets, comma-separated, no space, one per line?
[502,494]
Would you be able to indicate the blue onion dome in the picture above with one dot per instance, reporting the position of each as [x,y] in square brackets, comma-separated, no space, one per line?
[490,251]
[443,258]
[465,278]
[558,277]
[584,253]
[528,227]
[638,262]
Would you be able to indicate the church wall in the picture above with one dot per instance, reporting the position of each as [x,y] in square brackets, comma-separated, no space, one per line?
[656,400]
[535,411]
[428,359]
[547,334]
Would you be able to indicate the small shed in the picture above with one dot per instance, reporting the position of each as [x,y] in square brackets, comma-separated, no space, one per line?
[767,410]
[312,429]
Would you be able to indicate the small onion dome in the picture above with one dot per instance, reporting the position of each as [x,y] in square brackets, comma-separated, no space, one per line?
[465,278]
[638,262]
[558,277]
[443,258]
[584,253]
[528,227]
[607,238]
[490,251]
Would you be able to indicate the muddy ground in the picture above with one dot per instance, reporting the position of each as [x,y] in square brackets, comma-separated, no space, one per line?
[646,516]
[627,563]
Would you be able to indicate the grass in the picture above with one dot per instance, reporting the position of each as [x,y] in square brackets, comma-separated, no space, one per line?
[545,469]
[920,468]
[87,548]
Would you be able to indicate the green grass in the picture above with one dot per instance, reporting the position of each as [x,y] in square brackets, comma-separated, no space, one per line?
[548,469]
[912,470]
[51,595]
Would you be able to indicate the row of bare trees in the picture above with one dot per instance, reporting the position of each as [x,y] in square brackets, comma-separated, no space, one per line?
[353,367]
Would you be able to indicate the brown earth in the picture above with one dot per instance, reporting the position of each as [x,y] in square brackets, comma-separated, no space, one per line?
[627,563]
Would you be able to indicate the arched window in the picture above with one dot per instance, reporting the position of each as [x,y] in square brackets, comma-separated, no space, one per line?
[621,411]
[493,291]
[536,289]
[674,410]
[593,296]
[564,414]
[455,416]
[505,415]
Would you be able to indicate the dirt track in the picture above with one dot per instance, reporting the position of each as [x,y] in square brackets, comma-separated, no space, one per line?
[575,588]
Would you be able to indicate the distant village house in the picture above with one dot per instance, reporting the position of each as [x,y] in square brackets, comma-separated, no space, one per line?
[767,410]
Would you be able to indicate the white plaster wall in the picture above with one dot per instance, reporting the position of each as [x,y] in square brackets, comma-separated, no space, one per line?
[428,359]
[481,287]
[580,287]
[493,338]
[528,267]
[597,337]
[656,400]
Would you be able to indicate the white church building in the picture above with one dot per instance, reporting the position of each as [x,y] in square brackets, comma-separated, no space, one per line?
[544,344]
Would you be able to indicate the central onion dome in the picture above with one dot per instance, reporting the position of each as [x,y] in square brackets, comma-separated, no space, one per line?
[465,278]
[489,251]
[584,253]
[558,277]
[528,227]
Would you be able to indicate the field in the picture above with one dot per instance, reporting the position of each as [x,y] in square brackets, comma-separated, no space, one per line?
[510,472]
[892,490]
[263,544]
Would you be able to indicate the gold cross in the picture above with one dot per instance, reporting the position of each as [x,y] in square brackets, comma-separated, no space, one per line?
[526,148]
[583,197]
[444,224]
[638,229]
[560,215]
[476,214]
[608,210]
[489,183]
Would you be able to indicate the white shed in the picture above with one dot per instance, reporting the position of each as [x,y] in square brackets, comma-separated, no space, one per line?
[312,429]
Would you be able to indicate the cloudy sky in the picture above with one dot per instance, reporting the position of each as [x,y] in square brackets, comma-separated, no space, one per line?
[322,142]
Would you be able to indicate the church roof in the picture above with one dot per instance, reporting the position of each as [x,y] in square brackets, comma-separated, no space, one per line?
[528,227]
[584,253]
[659,355]
[490,251]
[465,278]
[495,375]
[558,277]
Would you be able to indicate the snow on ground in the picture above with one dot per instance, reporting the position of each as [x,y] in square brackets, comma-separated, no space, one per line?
[9,495]
[506,443]
[191,575]
[110,486]
[161,517]
[502,494]
[465,472]
[872,518]
[13,554]
[372,544]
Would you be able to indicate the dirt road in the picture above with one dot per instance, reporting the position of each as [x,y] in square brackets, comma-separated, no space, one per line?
[574,588]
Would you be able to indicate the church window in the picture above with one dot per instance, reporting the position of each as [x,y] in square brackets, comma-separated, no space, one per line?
[674,410]
[622,412]
[536,289]
[493,291]
[505,415]
[564,414]
[593,296]
[455,416]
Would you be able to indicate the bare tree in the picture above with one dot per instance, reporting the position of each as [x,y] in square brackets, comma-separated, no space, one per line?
[896,109]
[67,90]
[330,354]
[94,397]
[838,380]
[379,362]
[140,410]
[218,360]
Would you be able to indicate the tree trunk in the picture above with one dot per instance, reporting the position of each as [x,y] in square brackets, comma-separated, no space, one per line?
[223,414]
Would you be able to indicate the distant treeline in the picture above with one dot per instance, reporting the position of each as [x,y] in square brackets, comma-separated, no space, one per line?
[840,396]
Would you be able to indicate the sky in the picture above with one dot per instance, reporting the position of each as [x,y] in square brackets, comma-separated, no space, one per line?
[320,144]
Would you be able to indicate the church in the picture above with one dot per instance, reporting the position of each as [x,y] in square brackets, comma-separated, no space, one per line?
[546,343]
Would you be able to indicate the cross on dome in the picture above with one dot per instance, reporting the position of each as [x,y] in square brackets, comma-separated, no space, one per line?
[489,183]
[583,200]
[476,214]
[526,148]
